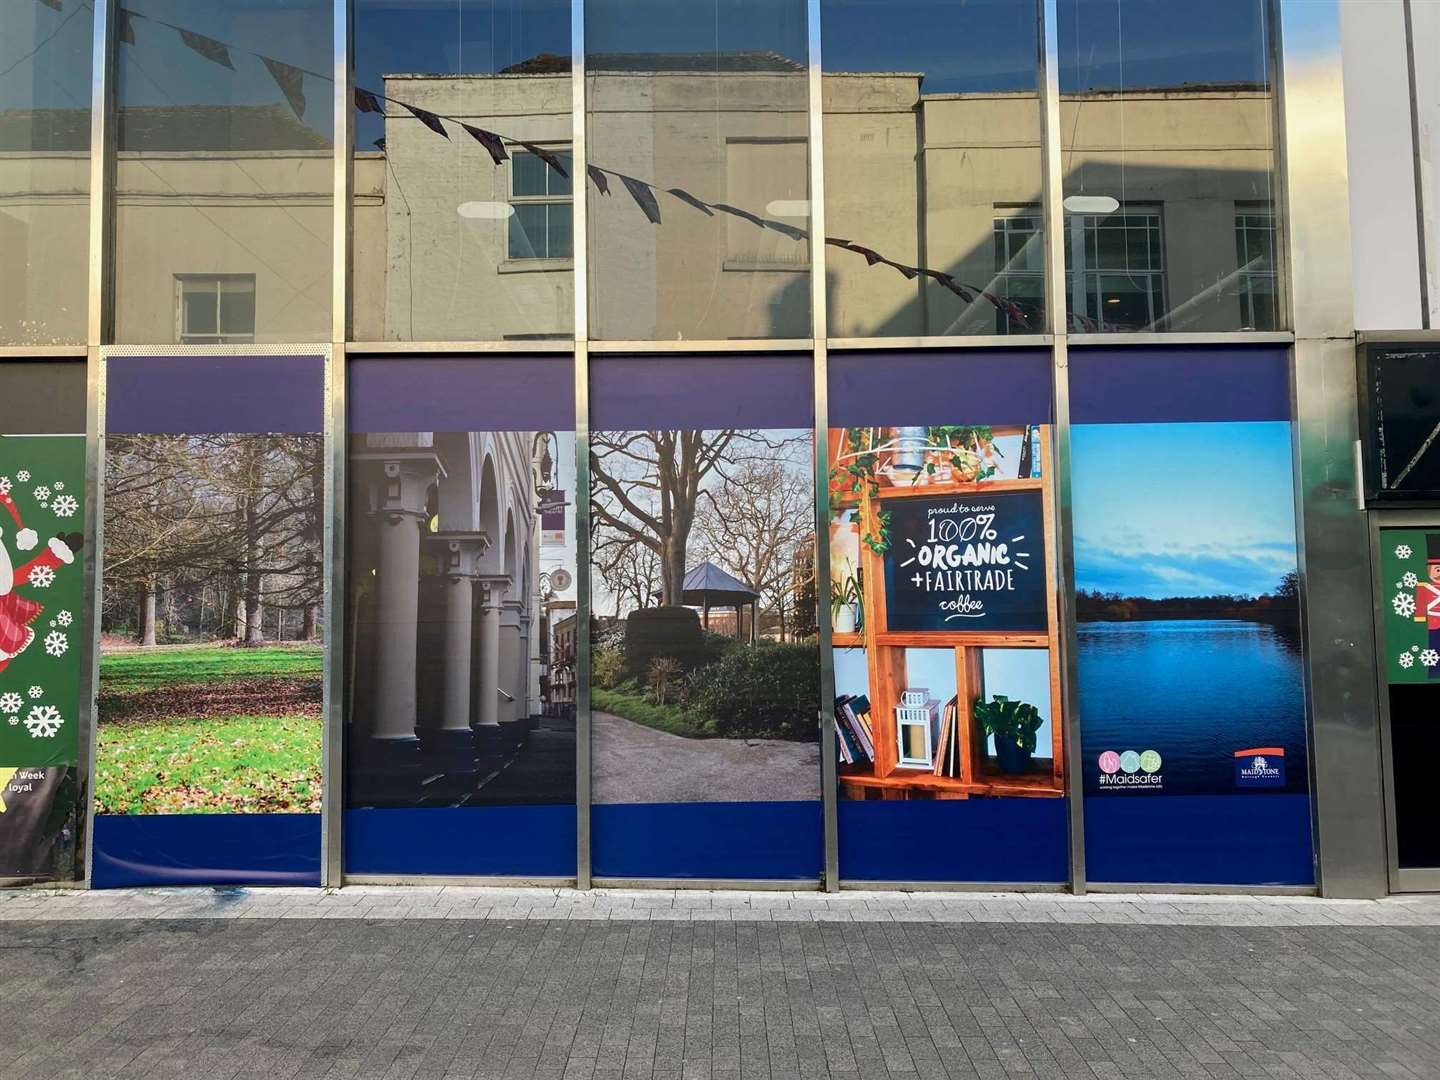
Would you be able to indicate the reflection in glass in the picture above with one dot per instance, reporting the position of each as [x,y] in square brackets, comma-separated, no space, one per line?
[932,163]
[224,171]
[1167,116]
[44,171]
[699,181]
[462,219]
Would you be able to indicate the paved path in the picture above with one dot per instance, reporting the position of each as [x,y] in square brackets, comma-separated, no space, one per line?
[638,764]
[505,984]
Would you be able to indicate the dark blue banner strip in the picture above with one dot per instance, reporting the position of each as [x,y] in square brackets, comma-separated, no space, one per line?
[638,393]
[513,841]
[1199,839]
[1019,841]
[1179,384]
[755,840]
[996,387]
[206,849]
[461,393]
[202,395]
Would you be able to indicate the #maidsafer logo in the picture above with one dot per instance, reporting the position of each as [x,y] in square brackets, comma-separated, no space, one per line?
[1260,766]
[1128,770]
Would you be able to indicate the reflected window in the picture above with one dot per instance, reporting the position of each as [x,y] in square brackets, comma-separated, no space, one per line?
[540,226]
[1174,105]
[932,166]
[1115,267]
[214,309]
[44,171]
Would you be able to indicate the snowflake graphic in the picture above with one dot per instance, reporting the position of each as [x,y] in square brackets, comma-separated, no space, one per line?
[1430,658]
[59,485]
[11,702]
[42,577]
[64,506]
[1409,580]
[64,618]
[36,691]
[41,492]
[1403,604]
[13,721]
[23,475]
[56,643]
[1405,660]
[1403,551]
[44,721]
[4,485]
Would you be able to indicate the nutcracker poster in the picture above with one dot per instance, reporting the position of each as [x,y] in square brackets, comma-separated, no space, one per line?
[42,483]
[1410,592]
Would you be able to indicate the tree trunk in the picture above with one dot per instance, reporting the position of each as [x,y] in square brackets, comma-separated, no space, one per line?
[254,631]
[312,618]
[147,627]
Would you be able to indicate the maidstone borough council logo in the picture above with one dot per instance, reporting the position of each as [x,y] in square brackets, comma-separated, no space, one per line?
[1260,766]
[1128,770]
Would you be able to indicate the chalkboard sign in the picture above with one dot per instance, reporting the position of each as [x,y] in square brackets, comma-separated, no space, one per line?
[1401,394]
[967,563]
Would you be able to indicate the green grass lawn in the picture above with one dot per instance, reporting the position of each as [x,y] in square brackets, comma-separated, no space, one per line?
[209,729]
[671,718]
[237,764]
[144,669]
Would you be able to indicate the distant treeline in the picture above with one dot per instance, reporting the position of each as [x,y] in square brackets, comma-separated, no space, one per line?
[1281,606]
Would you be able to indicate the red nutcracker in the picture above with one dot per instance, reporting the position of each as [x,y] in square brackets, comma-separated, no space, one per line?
[1427,596]
[18,612]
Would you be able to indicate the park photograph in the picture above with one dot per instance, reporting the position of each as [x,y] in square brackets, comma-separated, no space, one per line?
[1186,581]
[211,625]
[704,662]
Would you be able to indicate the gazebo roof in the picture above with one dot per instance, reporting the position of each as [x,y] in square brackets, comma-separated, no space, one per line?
[708,583]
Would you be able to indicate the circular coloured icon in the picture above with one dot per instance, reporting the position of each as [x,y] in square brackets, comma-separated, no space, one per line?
[1109,763]
[1150,761]
[1130,761]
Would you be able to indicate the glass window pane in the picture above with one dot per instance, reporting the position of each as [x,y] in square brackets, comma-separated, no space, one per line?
[224,161]
[44,171]
[200,310]
[932,129]
[1170,106]
[558,230]
[237,306]
[707,98]
[434,235]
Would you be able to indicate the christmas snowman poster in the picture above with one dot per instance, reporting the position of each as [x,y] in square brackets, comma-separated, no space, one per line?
[42,482]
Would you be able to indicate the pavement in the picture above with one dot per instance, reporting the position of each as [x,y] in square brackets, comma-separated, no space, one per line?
[449,982]
[638,764]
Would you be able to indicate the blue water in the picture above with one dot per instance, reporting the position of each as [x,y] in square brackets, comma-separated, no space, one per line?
[1195,690]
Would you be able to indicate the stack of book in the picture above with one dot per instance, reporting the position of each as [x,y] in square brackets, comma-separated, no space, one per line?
[947,744]
[855,740]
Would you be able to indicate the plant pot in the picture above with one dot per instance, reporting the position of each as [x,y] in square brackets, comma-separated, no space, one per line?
[844,621]
[1012,758]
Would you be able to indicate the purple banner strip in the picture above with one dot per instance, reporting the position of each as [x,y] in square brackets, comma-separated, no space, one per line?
[748,390]
[1179,384]
[200,395]
[462,393]
[937,386]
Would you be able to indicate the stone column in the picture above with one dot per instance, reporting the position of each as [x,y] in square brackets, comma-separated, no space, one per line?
[459,554]
[487,712]
[510,664]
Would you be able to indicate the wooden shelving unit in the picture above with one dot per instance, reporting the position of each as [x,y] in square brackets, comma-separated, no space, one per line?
[885,653]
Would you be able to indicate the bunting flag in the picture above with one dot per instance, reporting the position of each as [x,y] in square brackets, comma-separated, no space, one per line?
[735,211]
[365,101]
[547,157]
[598,178]
[208,47]
[785,230]
[490,141]
[380,145]
[124,28]
[643,196]
[685,197]
[291,81]
[54,5]
[429,119]
[909,271]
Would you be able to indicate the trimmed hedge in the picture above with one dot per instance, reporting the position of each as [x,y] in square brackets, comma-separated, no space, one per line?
[762,691]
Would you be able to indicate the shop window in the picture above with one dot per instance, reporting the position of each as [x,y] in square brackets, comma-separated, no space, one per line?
[542,204]
[1115,269]
[751,166]
[1020,269]
[1255,240]
[214,309]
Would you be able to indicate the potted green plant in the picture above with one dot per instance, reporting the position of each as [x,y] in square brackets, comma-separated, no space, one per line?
[1012,724]
[845,603]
